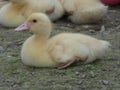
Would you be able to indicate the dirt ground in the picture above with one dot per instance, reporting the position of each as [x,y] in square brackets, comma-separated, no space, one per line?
[103,74]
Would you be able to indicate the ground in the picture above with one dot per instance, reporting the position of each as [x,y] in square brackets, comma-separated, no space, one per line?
[103,74]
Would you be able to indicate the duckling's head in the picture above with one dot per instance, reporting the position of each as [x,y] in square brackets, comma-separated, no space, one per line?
[37,23]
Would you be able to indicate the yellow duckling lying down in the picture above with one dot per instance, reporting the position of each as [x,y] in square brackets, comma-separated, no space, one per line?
[84,11]
[59,51]
[15,12]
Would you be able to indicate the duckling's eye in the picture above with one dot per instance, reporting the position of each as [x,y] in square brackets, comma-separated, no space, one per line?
[34,21]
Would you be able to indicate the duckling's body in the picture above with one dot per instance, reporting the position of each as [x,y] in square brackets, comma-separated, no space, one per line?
[10,16]
[84,11]
[61,50]
[16,11]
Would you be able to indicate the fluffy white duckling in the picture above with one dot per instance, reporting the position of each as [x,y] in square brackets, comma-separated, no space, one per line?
[59,51]
[84,11]
[16,11]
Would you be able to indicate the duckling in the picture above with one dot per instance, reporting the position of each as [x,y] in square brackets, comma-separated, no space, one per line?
[16,12]
[84,11]
[58,51]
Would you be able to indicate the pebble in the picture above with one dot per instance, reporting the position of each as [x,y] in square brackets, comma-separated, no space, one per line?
[102,29]
[77,73]
[86,26]
[105,82]
[92,74]
[92,31]
[80,82]
[1,49]
[83,76]
[9,56]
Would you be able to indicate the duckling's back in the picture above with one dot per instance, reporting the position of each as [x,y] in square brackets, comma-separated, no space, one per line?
[79,45]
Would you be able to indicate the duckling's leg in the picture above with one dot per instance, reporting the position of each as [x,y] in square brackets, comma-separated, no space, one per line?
[75,59]
[64,65]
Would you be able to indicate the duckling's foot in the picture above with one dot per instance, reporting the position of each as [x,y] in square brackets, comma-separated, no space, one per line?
[64,65]
[50,11]
[75,59]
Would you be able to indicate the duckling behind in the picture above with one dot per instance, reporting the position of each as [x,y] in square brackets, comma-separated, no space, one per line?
[61,50]
[15,12]
[84,11]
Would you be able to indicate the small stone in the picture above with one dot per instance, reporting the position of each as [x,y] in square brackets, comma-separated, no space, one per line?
[105,82]
[1,49]
[9,56]
[80,82]
[76,73]
[102,29]
[92,31]
[33,73]
[63,83]
[92,74]
[83,76]
[86,26]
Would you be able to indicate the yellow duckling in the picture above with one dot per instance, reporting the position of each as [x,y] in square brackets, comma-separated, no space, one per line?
[84,11]
[59,51]
[15,12]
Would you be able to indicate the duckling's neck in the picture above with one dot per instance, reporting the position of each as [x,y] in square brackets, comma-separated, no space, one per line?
[40,38]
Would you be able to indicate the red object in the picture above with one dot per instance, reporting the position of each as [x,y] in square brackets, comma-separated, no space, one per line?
[111,2]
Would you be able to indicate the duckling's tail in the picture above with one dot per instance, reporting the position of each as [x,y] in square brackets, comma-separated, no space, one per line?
[103,48]
[99,50]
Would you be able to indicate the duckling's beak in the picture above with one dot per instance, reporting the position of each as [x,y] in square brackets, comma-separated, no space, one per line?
[22,27]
